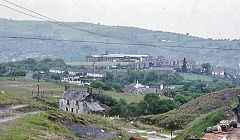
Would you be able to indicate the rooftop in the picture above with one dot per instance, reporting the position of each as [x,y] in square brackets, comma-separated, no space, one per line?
[75,95]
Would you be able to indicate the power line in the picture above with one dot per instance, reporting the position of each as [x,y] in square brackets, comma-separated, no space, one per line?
[100,42]
[99,34]
[142,43]
[55,21]
[48,39]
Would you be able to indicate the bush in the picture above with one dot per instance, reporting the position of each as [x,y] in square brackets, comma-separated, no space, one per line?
[97,84]
[118,87]
[19,73]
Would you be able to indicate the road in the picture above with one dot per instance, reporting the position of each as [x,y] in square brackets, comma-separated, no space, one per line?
[4,117]
[151,135]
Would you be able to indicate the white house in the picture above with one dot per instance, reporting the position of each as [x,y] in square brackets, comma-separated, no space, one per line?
[56,70]
[218,71]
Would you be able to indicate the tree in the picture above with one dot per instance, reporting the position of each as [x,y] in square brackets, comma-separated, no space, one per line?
[117,87]
[29,63]
[79,74]
[108,78]
[55,76]
[184,66]
[181,98]
[97,84]
[207,68]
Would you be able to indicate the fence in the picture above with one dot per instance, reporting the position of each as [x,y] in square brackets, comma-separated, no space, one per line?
[53,93]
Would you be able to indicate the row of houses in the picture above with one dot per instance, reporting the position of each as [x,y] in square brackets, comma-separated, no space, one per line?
[164,65]
[77,80]
[222,71]
[85,72]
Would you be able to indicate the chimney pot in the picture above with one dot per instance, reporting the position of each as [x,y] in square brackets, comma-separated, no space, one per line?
[67,87]
[89,90]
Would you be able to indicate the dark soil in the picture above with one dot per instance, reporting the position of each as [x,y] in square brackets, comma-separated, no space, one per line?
[88,132]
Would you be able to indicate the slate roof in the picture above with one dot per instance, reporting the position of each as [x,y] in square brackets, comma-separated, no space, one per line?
[94,106]
[144,90]
[75,95]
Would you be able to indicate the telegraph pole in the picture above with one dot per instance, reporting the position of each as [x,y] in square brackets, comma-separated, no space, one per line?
[38,83]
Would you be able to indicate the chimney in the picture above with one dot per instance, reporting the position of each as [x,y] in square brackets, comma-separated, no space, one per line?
[89,89]
[67,87]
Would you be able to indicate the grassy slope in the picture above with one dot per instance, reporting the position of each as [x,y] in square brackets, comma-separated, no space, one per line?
[195,77]
[71,51]
[126,96]
[189,111]
[196,127]
[51,121]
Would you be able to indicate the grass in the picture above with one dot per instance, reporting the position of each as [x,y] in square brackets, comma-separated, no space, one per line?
[97,64]
[196,77]
[35,126]
[186,113]
[196,127]
[128,97]
[52,121]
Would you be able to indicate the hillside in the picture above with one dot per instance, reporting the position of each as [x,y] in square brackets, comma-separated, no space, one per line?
[188,112]
[26,116]
[75,51]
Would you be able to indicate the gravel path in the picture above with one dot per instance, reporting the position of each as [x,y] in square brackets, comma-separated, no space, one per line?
[150,134]
[11,107]
[4,110]
[82,131]
[14,117]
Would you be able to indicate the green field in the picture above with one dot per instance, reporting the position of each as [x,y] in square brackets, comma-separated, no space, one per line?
[128,97]
[97,64]
[195,77]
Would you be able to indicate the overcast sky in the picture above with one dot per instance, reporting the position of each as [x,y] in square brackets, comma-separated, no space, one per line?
[204,18]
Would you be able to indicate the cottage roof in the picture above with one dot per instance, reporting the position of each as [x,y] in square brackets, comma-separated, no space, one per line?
[75,95]
[144,90]
[94,106]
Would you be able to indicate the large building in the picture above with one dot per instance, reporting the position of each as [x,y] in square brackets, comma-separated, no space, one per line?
[118,58]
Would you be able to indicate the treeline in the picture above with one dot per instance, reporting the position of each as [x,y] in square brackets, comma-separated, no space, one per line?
[19,68]
[152,79]
[151,104]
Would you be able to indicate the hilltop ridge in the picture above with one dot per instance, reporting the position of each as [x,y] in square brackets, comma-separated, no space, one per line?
[18,49]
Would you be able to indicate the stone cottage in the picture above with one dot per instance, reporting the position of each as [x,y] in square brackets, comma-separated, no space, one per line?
[80,102]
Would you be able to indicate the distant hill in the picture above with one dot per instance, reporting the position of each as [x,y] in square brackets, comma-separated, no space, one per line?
[74,51]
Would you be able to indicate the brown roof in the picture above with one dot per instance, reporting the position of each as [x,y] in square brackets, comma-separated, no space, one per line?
[106,107]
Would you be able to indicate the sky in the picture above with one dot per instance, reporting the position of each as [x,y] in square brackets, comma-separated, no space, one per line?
[218,19]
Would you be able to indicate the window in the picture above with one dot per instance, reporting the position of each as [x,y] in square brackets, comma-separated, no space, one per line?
[66,109]
[77,103]
[72,109]
[67,102]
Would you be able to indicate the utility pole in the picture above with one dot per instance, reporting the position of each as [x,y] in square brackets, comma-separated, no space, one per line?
[11,72]
[167,86]
[38,83]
